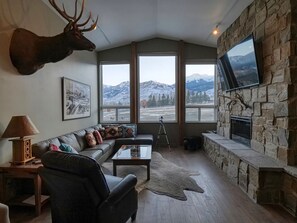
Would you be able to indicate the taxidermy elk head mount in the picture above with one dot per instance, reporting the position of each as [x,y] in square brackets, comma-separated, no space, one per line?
[29,52]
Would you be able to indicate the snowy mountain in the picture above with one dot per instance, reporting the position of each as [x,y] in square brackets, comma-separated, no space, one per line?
[199,82]
[195,77]
[119,94]
[155,88]
[247,61]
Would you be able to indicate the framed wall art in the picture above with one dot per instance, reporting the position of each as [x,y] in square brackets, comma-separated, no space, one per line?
[76,99]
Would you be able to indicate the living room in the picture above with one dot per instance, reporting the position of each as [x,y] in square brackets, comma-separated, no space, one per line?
[39,95]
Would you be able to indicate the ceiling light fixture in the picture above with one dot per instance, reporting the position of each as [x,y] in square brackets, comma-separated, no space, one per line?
[216,30]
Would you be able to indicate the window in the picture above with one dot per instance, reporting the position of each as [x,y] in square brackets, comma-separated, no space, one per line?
[157,88]
[200,93]
[115,93]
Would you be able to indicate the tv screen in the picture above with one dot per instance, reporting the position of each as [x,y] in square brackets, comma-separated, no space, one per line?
[239,65]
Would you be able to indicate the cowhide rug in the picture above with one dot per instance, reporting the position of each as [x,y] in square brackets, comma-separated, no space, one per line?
[166,177]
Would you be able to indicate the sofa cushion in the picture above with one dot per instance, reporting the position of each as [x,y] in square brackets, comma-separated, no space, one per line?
[90,139]
[80,136]
[90,129]
[54,141]
[98,127]
[142,139]
[71,140]
[104,147]
[110,142]
[92,153]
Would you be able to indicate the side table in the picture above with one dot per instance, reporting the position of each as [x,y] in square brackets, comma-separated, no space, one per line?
[26,171]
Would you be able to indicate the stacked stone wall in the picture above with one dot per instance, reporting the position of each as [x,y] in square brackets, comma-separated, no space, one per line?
[273,104]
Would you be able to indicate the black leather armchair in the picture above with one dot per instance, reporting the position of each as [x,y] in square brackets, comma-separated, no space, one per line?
[80,192]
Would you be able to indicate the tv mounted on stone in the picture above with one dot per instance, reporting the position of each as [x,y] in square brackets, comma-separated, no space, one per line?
[238,68]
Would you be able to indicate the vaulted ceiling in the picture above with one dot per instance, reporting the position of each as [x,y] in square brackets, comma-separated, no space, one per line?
[123,21]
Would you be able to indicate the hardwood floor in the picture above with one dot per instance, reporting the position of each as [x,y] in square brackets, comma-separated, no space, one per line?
[222,201]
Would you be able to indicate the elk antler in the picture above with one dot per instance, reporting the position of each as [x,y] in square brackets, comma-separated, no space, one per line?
[236,99]
[73,20]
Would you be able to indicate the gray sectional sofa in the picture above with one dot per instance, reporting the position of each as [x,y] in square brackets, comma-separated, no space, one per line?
[100,152]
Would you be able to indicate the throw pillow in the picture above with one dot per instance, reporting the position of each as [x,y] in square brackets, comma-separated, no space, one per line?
[53,147]
[102,133]
[67,148]
[98,137]
[113,132]
[129,132]
[90,139]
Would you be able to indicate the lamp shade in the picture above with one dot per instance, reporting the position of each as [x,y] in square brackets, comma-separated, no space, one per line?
[20,126]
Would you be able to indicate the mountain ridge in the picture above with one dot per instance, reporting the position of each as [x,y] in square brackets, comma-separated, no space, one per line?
[119,94]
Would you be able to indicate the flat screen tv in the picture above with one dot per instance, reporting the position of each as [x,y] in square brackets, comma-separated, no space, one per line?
[238,68]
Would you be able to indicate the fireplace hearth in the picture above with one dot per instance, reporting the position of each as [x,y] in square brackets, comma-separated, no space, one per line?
[241,129]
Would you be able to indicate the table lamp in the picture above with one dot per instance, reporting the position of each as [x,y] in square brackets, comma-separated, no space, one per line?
[20,126]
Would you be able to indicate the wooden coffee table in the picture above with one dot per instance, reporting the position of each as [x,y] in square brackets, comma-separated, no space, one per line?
[133,155]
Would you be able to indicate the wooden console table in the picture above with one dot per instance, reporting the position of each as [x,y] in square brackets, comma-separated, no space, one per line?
[27,171]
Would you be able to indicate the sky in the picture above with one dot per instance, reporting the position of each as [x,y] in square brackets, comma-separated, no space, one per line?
[157,68]
[242,49]
[207,69]
[115,74]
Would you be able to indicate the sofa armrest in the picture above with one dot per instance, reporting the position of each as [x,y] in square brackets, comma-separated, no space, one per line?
[122,188]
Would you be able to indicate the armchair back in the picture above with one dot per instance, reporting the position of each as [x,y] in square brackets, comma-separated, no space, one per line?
[80,192]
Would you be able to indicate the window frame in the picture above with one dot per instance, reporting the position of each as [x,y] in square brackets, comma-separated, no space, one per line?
[100,96]
[176,85]
[199,107]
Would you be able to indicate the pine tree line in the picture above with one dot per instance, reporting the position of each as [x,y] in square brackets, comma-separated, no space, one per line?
[196,97]
[160,100]
[165,100]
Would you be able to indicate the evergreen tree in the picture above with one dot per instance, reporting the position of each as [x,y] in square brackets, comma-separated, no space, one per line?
[159,100]
[188,100]
[200,98]
[172,101]
[206,97]
[167,100]
[149,102]
[163,100]
[154,102]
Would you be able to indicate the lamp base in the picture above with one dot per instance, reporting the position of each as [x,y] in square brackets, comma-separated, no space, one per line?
[22,151]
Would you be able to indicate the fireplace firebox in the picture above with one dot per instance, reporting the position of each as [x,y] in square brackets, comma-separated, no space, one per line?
[241,129]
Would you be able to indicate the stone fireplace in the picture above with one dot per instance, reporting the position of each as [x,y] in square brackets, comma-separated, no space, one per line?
[266,169]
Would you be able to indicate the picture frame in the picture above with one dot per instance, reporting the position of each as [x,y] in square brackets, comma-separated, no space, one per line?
[76,99]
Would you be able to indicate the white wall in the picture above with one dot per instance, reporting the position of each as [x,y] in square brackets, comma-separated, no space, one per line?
[39,95]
